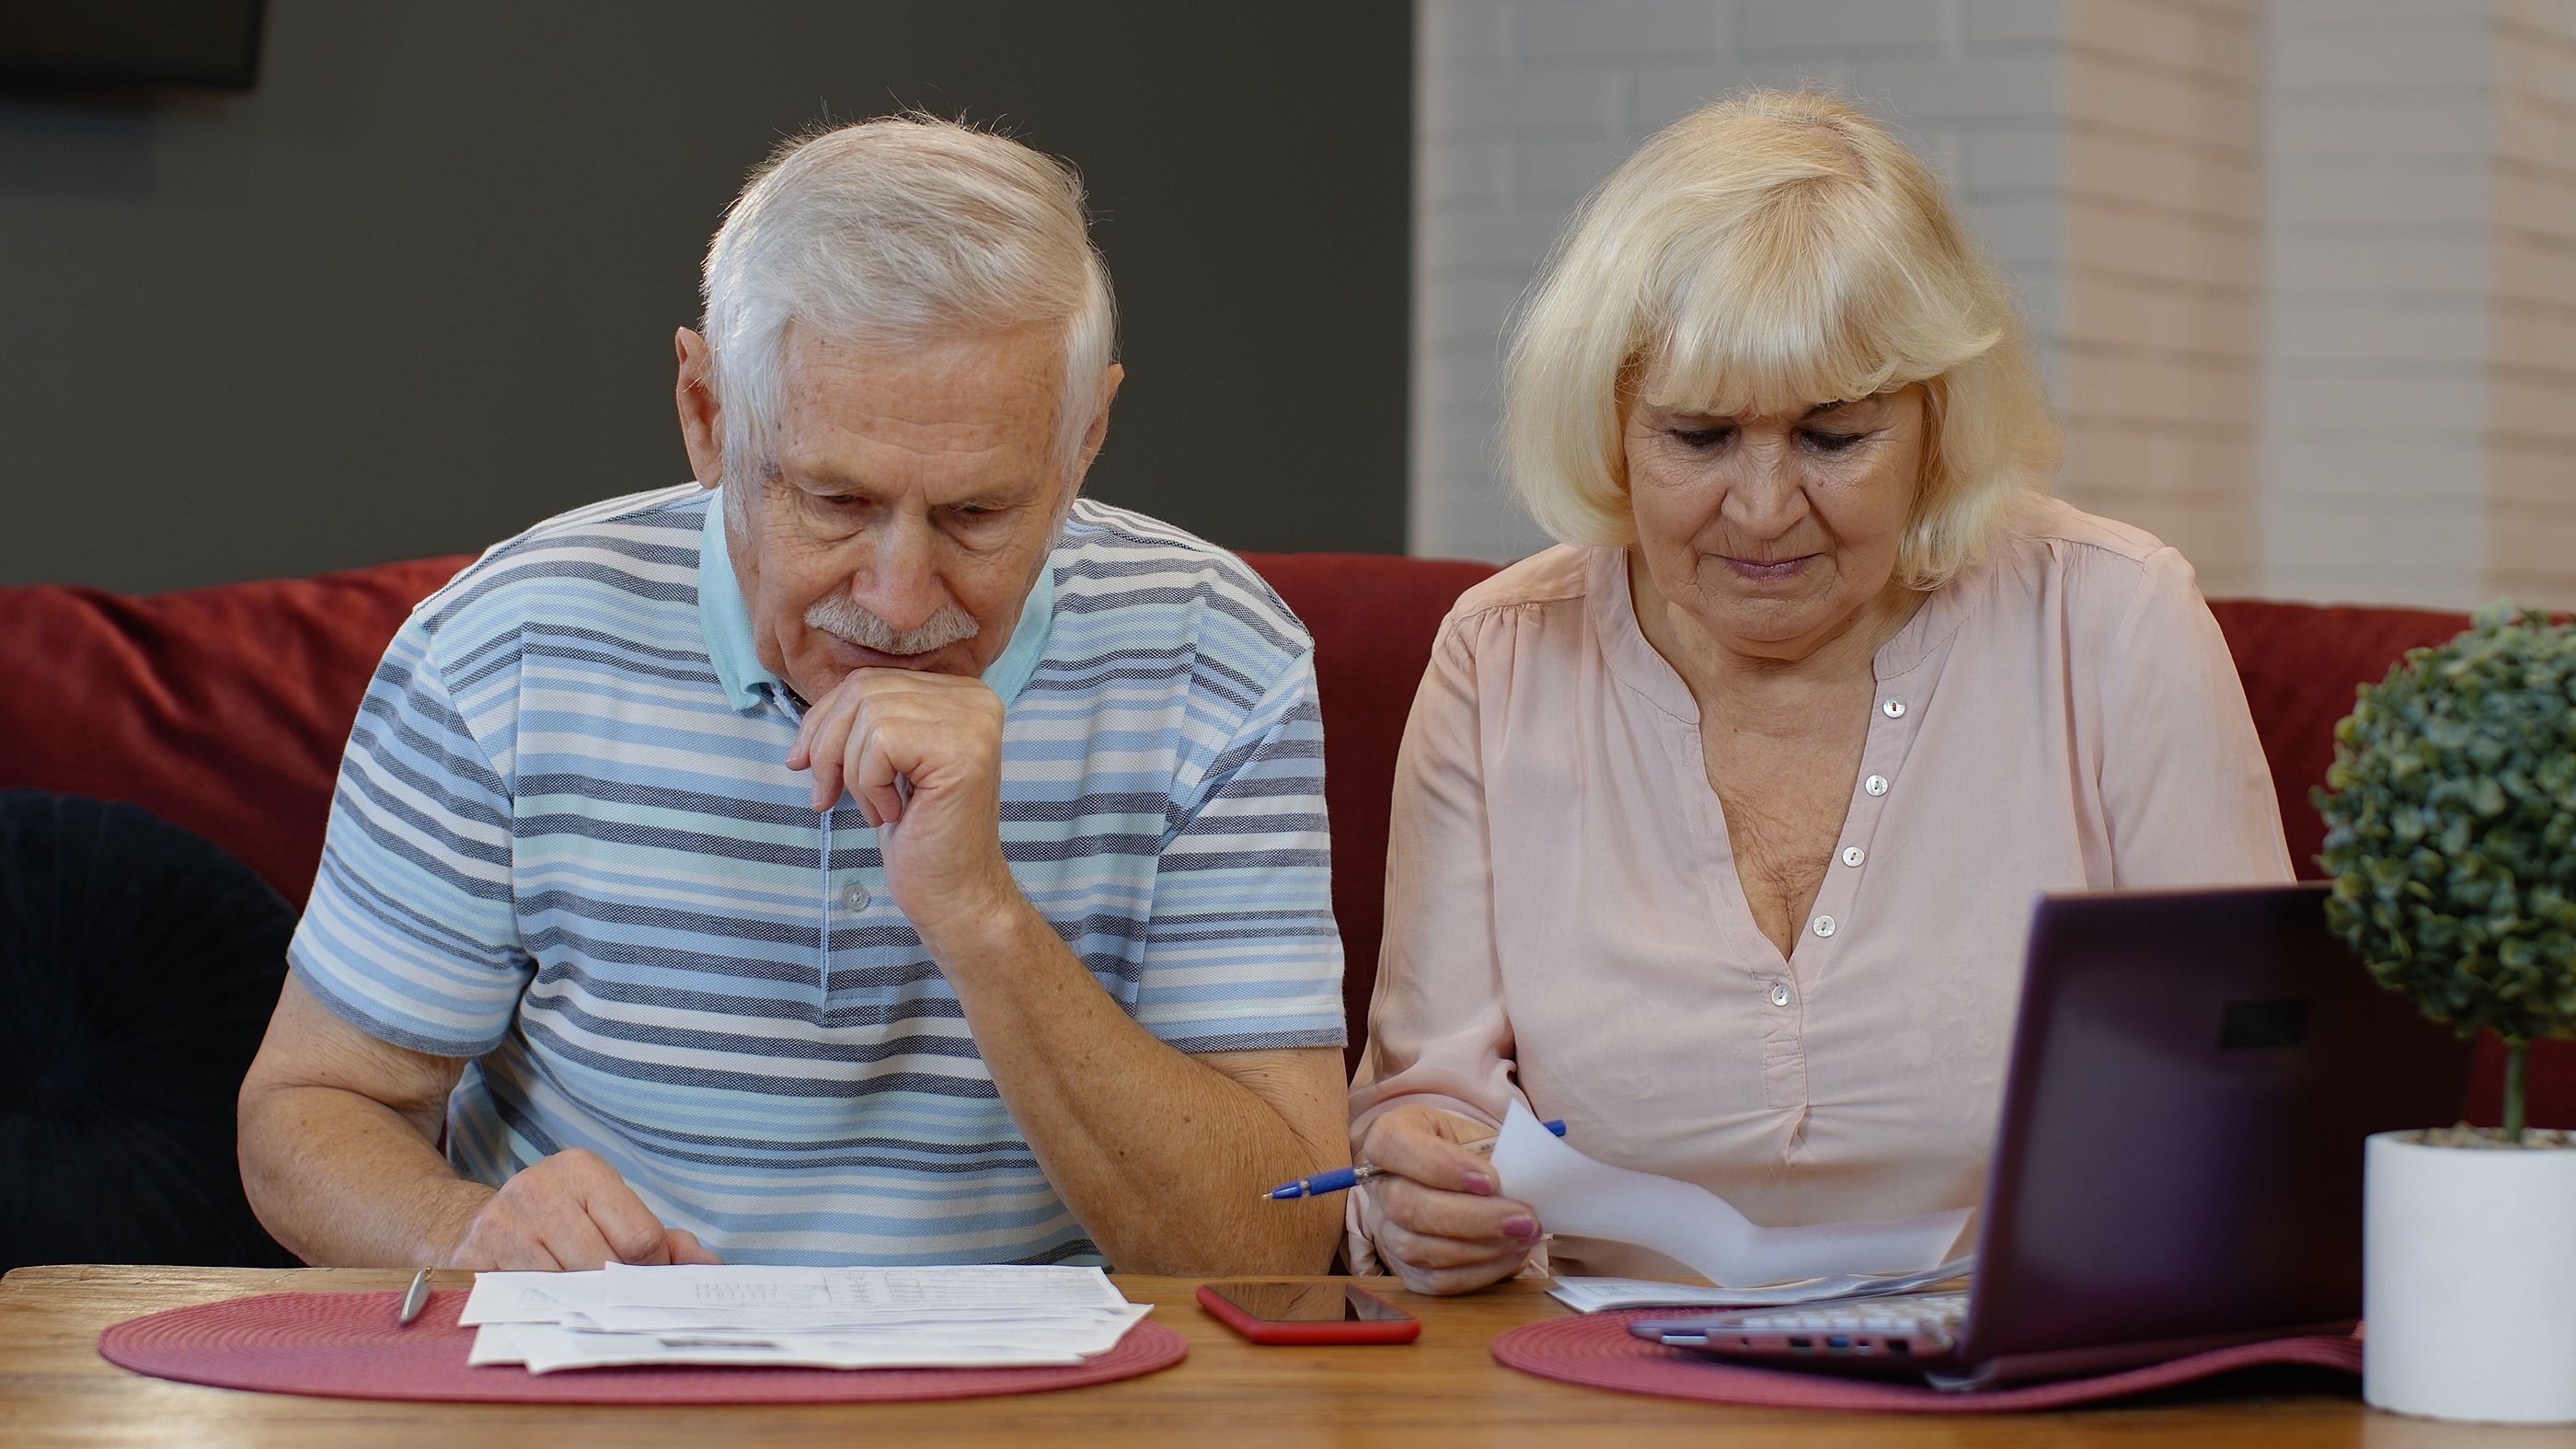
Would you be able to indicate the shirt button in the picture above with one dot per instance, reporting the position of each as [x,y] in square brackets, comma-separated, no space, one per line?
[1824,925]
[1854,855]
[855,897]
[1892,708]
[1875,784]
[1779,993]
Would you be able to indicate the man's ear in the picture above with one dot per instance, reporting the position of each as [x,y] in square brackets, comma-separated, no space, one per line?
[1093,436]
[701,430]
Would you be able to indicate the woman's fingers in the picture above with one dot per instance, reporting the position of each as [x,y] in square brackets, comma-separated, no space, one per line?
[1497,1222]
[1466,1278]
[1413,1146]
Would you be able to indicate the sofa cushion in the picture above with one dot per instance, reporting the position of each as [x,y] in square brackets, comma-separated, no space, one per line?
[1373,617]
[223,710]
[2301,664]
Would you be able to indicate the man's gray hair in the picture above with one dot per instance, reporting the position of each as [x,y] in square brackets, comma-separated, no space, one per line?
[894,232]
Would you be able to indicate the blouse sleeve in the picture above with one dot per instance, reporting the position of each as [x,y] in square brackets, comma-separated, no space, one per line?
[2187,798]
[1440,1033]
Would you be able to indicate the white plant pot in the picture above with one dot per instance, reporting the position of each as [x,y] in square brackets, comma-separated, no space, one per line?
[2469,1282]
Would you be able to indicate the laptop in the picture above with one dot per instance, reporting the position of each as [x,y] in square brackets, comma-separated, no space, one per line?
[2178,1165]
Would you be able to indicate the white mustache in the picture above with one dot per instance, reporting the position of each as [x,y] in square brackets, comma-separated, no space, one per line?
[838,616]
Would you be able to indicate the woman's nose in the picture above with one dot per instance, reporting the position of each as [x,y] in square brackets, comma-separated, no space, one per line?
[1765,498]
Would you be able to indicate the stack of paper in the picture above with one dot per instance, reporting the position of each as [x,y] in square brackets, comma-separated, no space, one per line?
[963,1317]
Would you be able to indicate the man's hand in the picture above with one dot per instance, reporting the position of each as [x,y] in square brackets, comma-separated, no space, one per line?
[1444,1228]
[569,1212]
[943,734]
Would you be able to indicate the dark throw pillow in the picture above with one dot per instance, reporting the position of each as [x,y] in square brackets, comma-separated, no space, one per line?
[139,963]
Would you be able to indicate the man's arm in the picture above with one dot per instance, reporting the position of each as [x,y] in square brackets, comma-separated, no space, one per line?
[339,1159]
[1161,1157]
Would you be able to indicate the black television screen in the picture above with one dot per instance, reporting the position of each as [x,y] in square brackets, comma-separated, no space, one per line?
[131,43]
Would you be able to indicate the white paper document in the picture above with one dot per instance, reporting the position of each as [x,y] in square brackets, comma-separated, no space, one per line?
[943,1317]
[530,1297]
[1685,1222]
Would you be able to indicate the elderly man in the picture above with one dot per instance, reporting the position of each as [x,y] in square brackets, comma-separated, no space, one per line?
[880,858]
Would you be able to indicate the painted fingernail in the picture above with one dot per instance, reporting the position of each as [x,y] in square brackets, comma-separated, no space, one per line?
[1476,1182]
[1521,1229]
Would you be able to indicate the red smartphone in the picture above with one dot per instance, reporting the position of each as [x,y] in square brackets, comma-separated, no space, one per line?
[1285,1312]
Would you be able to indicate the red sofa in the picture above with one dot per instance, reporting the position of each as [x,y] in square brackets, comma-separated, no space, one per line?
[225,710]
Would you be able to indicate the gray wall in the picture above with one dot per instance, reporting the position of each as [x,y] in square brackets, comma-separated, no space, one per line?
[417,289]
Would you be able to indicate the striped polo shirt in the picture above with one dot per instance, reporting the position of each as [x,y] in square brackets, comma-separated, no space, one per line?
[563,845]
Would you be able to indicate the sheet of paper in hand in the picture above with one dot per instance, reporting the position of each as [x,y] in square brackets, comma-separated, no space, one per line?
[1685,1222]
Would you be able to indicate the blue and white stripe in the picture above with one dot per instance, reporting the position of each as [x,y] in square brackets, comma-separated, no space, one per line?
[563,845]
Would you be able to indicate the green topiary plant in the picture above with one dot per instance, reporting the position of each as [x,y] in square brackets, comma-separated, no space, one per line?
[2451,833]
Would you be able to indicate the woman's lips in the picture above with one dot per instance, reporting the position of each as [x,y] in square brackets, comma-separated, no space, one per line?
[1770,572]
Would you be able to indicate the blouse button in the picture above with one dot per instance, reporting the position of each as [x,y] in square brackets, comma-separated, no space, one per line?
[1824,925]
[1892,708]
[855,897]
[1779,993]
[1875,784]
[1854,855]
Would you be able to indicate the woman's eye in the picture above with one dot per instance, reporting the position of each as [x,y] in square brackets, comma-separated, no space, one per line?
[1833,442]
[1702,437]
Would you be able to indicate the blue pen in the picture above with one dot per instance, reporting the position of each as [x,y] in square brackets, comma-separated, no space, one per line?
[1347,1178]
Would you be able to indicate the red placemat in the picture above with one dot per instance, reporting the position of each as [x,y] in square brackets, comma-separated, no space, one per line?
[347,1346]
[1597,1349]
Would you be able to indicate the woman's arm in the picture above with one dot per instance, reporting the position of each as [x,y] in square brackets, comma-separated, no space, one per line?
[2186,794]
[1438,1068]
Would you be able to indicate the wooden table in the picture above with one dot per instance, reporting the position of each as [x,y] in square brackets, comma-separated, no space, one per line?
[1442,1391]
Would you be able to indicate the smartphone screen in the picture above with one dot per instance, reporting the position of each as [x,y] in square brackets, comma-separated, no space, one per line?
[1308,1303]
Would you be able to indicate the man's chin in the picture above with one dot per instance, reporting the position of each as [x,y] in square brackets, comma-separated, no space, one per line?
[835,657]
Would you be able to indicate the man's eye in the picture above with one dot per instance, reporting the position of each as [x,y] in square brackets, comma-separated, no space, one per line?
[1824,442]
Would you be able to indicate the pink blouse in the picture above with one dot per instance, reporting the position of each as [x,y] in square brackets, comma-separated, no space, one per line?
[1564,924]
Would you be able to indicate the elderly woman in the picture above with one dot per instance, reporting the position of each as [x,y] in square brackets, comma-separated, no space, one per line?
[1716,828]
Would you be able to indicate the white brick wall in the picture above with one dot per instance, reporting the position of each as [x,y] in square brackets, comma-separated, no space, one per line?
[1525,104]
[2377,328]
[2302,273]
[2531,501]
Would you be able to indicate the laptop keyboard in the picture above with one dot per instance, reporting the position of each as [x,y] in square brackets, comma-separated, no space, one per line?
[1934,1313]
[1895,1328]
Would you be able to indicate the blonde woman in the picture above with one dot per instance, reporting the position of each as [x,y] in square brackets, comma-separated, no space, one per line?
[1717,827]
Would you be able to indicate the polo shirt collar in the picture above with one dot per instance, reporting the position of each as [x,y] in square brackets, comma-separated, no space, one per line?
[726,621]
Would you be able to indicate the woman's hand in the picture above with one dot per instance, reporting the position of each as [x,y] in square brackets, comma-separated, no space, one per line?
[1444,1228]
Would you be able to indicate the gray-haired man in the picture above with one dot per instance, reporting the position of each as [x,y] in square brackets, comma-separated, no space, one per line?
[883,857]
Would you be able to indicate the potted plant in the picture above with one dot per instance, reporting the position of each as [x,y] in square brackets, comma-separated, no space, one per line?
[2451,833]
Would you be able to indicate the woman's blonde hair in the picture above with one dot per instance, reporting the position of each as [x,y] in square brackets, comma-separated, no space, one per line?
[1763,254]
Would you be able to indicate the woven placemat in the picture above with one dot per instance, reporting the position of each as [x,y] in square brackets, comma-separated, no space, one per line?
[347,1346]
[1597,1349]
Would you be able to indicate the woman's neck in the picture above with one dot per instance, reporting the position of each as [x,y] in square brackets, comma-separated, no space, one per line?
[1761,674]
